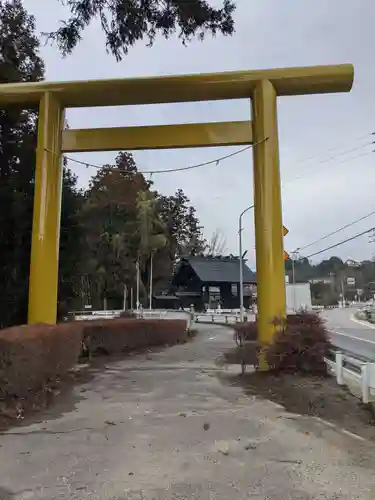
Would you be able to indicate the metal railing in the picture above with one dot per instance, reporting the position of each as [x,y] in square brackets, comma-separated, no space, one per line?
[356,374]
[222,317]
[217,318]
[140,314]
[91,315]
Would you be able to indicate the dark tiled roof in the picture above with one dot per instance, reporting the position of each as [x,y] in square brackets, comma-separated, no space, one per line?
[224,270]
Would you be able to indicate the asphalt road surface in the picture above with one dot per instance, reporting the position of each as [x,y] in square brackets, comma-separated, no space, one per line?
[350,335]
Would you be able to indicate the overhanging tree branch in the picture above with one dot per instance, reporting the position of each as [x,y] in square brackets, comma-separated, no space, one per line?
[125,22]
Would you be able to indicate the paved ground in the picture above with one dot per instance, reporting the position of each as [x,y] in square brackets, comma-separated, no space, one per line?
[164,426]
[350,335]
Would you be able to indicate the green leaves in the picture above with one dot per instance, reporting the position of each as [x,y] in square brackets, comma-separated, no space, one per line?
[19,61]
[182,225]
[152,231]
[117,219]
[126,22]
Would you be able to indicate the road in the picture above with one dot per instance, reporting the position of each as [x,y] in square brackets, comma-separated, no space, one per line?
[164,425]
[349,335]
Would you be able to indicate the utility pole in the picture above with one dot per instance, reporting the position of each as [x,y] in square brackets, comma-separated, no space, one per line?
[294,258]
[137,290]
[151,273]
[342,293]
[125,297]
[241,259]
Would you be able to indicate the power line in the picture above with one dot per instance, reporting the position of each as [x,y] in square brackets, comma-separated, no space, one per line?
[342,153]
[340,243]
[305,160]
[331,158]
[335,232]
[357,156]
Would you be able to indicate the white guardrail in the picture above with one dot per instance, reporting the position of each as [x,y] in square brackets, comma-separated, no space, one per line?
[216,316]
[92,315]
[221,318]
[144,314]
[357,375]
[211,315]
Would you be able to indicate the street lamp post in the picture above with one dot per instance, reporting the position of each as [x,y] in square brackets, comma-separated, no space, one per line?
[241,258]
[294,258]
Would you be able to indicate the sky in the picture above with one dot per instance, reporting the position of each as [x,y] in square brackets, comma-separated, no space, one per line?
[325,185]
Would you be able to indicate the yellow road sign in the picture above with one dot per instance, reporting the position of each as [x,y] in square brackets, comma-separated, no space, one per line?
[285,230]
[286,255]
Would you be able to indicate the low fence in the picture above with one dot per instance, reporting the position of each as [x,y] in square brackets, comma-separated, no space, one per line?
[91,315]
[156,314]
[227,316]
[222,318]
[356,374]
[141,313]
[228,319]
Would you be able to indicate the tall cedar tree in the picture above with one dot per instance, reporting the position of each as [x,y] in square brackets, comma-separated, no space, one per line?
[109,214]
[182,225]
[125,221]
[125,22]
[20,62]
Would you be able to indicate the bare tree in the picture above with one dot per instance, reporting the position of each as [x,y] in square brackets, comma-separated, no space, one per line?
[216,244]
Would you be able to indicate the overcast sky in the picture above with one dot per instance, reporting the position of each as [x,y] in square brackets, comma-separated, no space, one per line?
[324,185]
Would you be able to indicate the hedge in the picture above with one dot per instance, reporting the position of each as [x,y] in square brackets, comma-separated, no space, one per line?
[32,356]
[127,334]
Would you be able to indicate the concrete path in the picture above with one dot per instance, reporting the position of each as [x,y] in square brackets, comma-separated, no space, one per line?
[165,426]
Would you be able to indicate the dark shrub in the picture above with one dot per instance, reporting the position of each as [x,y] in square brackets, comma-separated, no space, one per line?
[245,332]
[31,356]
[300,345]
[305,319]
[128,314]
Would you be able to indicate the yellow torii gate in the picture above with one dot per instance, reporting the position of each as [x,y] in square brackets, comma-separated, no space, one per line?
[261,86]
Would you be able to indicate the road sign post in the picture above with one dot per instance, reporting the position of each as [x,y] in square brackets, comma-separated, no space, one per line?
[285,232]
